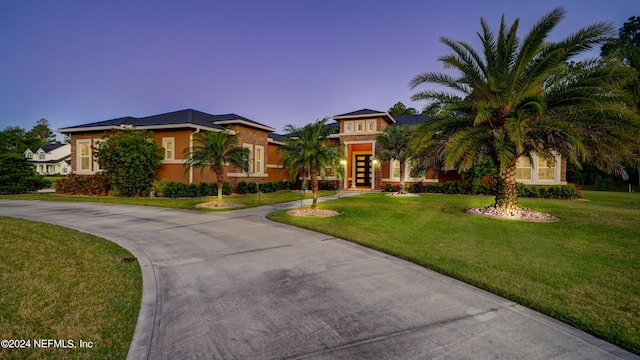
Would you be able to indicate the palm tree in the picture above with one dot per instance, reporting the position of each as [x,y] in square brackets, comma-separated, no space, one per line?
[395,144]
[519,98]
[308,151]
[215,149]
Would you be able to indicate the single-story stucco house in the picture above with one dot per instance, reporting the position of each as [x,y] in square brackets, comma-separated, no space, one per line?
[355,131]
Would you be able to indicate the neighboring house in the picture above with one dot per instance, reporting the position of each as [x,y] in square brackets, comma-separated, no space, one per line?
[357,134]
[355,131]
[175,133]
[50,159]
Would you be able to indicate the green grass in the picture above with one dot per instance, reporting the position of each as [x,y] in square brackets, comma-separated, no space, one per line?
[54,178]
[250,200]
[57,283]
[583,270]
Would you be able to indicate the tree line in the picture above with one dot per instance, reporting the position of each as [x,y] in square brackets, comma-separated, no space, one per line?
[17,139]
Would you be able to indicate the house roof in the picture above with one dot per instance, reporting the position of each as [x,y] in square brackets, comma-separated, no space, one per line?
[361,112]
[187,118]
[365,113]
[276,137]
[410,119]
[228,119]
[47,148]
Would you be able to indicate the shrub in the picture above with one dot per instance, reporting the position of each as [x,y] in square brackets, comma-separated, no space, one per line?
[178,189]
[96,185]
[433,188]
[159,185]
[417,188]
[388,188]
[267,187]
[326,185]
[604,184]
[453,187]
[252,187]
[17,175]
[241,188]
[568,191]
[131,158]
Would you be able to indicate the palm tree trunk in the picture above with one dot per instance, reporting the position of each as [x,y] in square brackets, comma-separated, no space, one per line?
[506,192]
[402,174]
[220,181]
[314,186]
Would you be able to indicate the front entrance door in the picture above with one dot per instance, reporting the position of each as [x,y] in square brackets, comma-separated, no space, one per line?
[363,170]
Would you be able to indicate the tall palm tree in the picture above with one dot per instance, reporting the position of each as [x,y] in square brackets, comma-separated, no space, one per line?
[215,149]
[395,144]
[518,97]
[308,151]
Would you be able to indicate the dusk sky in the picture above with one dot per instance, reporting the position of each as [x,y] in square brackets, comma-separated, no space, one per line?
[275,62]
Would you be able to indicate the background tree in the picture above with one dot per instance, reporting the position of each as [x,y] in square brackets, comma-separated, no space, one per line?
[308,150]
[131,159]
[626,49]
[42,133]
[395,144]
[214,149]
[519,98]
[15,139]
[17,175]
[400,109]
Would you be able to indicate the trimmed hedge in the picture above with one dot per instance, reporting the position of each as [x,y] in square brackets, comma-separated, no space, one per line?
[251,187]
[96,185]
[178,189]
[568,191]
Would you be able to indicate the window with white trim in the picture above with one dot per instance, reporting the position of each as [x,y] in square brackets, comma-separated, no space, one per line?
[330,171]
[250,148]
[360,126]
[84,155]
[41,155]
[523,168]
[29,155]
[371,125]
[168,146]
[348,127]
[546,168]
[395,169]
[259,159]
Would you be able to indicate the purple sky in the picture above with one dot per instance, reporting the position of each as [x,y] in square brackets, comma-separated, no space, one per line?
[275,62]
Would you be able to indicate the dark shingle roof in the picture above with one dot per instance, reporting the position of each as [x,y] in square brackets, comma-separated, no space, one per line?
[47,148]
[227,118]
[51,147]
[410,119]
[276,137]
[188,116]
[362,112]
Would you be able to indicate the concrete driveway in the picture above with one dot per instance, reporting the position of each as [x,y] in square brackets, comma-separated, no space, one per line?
[235,285]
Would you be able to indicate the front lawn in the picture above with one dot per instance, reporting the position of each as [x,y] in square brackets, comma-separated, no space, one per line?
[249,200]
[583,270]
[61,284]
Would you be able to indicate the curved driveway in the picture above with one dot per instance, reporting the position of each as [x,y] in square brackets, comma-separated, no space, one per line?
[234,285]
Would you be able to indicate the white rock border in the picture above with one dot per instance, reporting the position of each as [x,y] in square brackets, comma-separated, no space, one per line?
[519,214]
